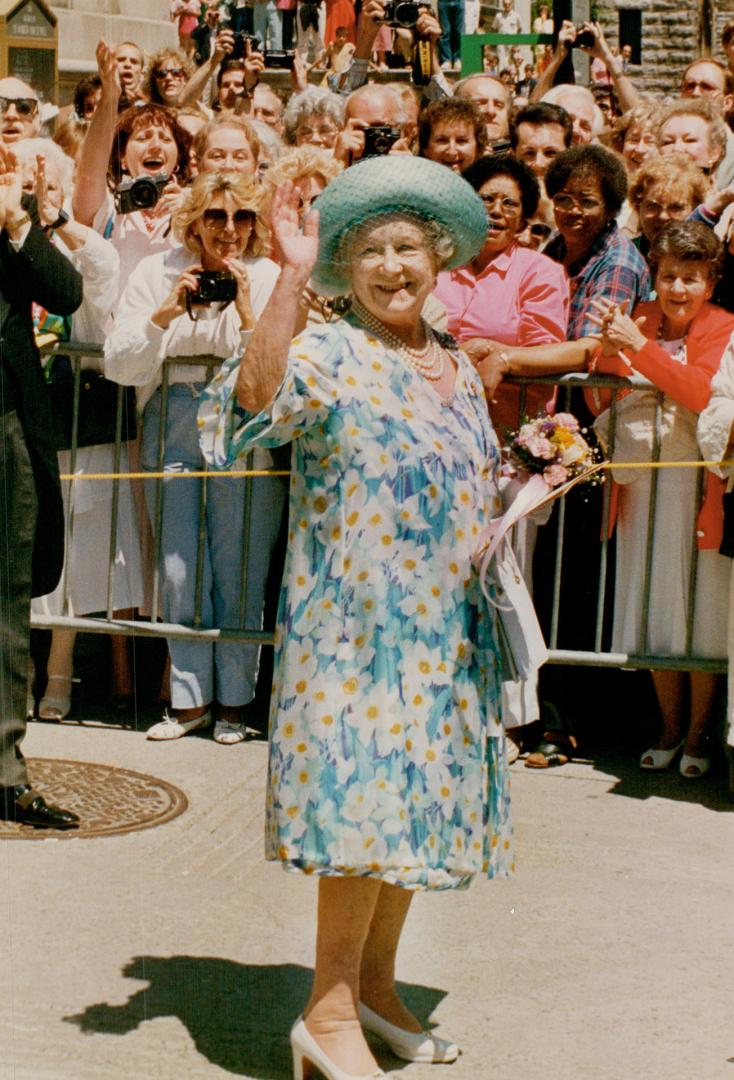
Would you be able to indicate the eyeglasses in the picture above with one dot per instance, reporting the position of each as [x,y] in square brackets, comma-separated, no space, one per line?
[508,206]
[321,133]
[175,73]
[216,220]
[24,106]
[568,202]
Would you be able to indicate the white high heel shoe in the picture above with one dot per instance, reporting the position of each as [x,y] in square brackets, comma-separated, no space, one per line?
[56,702]
[307,1054]
[421,1046]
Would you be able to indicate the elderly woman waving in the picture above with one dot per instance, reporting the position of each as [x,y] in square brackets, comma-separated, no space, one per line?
[386,764]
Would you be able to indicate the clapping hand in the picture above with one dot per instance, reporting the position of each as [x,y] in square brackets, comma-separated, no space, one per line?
[618,330]
[47,212]
[11,187]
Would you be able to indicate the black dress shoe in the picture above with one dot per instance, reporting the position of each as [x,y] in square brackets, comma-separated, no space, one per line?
[27,807]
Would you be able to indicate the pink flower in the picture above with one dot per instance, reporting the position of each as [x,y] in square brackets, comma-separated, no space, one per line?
[541,448]
[555,475]
[567,420]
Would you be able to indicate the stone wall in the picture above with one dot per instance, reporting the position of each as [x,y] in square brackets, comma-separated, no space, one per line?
[83,22]
[674,32]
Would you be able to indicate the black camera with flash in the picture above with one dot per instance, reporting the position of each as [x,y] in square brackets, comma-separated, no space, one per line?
[139,194]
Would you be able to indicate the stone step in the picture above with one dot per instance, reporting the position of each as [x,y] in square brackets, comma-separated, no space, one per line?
[79,32]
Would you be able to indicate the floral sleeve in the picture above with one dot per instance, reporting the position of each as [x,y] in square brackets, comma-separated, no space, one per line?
[306,396]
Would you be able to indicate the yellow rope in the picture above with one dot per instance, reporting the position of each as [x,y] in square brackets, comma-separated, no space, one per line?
[211,474]
[238,473]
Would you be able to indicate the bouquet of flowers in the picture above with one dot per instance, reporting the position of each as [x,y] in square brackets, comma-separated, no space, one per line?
[553,447]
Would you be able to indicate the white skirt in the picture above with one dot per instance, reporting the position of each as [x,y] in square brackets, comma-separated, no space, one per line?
[675,523]
[87,550]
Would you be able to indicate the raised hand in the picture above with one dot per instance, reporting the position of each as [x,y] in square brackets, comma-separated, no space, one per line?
[295,249]
[108,70]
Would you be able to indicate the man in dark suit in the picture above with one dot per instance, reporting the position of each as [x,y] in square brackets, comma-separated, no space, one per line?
[31,511]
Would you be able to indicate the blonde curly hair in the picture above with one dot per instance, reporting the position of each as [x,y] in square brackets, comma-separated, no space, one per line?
[246,195]
[300,163]
[149,87]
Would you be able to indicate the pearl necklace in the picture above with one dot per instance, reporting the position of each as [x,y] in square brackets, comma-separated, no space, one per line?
[429,361]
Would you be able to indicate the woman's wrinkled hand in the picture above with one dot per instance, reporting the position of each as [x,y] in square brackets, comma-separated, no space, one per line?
[618,331]
[293,248]
[175,303]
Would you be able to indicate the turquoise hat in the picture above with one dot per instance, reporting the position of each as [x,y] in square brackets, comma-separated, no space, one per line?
[395,184]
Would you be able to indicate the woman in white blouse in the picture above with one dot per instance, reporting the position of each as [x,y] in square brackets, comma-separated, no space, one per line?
[161,316]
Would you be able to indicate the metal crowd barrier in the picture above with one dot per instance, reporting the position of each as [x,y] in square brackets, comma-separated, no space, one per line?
[595,655]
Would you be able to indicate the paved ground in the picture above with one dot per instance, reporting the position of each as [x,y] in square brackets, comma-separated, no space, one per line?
[178,952]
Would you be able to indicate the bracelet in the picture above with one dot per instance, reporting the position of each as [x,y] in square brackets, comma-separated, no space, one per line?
[62,219]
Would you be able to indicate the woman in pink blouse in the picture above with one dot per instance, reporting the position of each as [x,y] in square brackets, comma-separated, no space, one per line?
[508,294]
[515,296]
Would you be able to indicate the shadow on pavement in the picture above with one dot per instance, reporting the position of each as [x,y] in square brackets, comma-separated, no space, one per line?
[238,1015]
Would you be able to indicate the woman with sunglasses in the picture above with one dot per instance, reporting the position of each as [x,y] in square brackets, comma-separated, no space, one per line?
[168,73]
[221,229]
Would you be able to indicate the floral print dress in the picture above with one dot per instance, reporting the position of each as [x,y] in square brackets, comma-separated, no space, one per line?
[386,755]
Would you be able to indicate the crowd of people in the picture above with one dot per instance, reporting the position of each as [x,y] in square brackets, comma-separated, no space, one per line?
[577,191]
[339,281]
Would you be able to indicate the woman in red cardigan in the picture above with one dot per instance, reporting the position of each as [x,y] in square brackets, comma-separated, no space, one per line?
[676,342]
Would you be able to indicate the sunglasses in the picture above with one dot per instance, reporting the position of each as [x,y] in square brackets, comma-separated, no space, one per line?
[175,73]
[218,219]
[24,106]
[541,230]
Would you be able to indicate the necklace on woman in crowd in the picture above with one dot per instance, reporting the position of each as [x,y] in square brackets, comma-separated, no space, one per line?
[430,361]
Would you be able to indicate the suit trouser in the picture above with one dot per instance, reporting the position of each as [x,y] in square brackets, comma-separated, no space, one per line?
[18,510]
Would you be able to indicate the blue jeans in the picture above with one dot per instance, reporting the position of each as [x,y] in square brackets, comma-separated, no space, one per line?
[451,17]
[204,671]
[268,25]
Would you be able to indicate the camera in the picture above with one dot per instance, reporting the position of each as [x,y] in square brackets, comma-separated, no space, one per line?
[379,139]
[139,194]
[401,13]
[584,39]
[215,286]
[241,39]
[279,58]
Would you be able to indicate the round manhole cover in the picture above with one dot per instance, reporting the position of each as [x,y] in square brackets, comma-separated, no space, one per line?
[109,801]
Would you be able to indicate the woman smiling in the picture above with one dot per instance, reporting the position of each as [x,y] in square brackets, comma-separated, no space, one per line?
[677,342]
[386,764]
[161,315]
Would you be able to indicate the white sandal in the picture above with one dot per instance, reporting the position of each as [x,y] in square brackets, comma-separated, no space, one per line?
[228,733]
[659,759]
[171,727]
[56,706]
